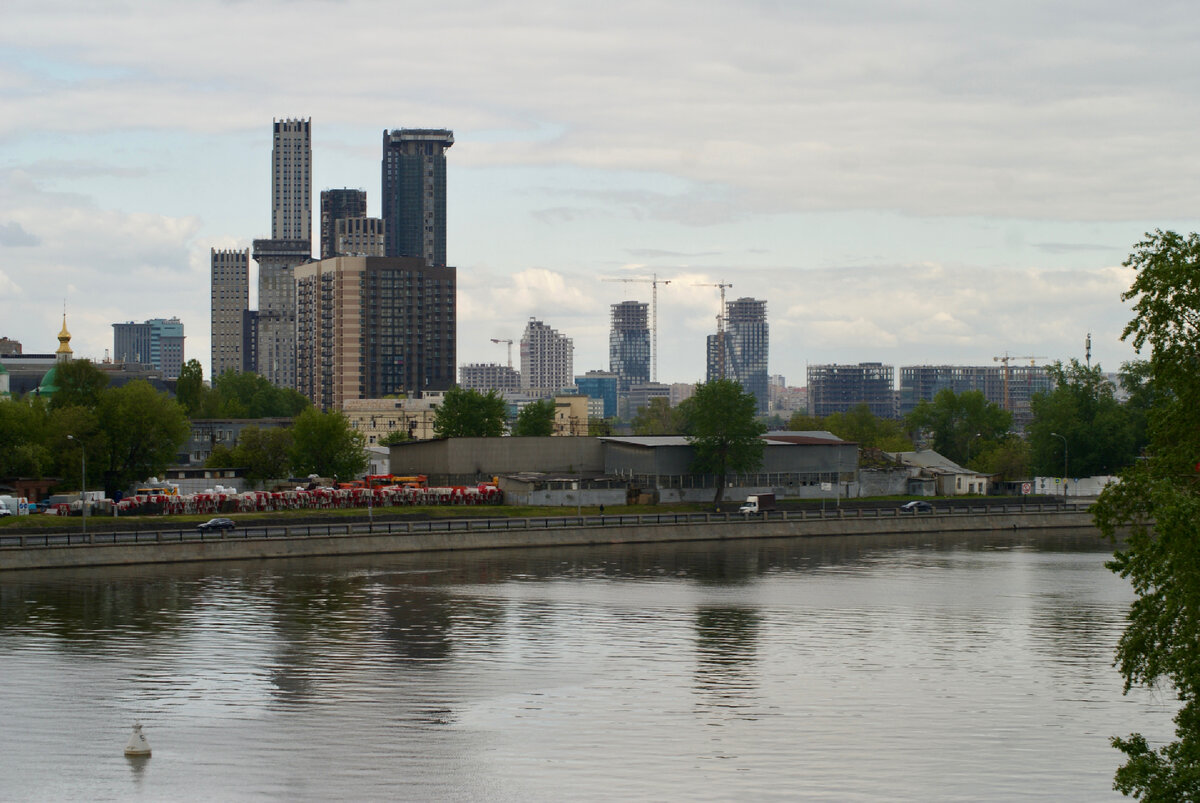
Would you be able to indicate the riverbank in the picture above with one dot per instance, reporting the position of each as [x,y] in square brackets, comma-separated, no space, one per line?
[116,548]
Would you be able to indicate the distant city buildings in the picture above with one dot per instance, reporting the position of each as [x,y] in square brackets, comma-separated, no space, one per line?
[291,180]
[157,342]
[601,385]
[338,205]
[230,301]
[840,388]
[747,348]
[641,394]
[414,192]
[547,359]
[359,237]
[1012,387]
[8,346]
[489,376]
[629,344]
[369,327]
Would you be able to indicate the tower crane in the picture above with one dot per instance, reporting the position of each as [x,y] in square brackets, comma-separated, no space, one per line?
[1004,358]
[509,342]
[720,327]
[654,282]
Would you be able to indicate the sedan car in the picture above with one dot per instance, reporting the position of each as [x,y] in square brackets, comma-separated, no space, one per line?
[216,524]
[917,506]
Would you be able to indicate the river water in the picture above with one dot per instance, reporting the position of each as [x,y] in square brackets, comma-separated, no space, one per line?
[972,667]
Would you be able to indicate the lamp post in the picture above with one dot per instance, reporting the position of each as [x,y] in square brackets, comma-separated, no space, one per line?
[973,437]
[82,480]
[1066,473]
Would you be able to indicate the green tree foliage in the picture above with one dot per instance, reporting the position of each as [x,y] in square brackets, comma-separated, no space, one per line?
[325,444]
[393,437]
[190,389]
[79,384]
[963,425]
[724,431]
[246,395]
[660,418]
[868,430]
[140,431]
[24,426]
[1008,457]
[470,414]
[536,419]
[264,453]
[600,427]
[1157,506]
[803,422]
[1082,408]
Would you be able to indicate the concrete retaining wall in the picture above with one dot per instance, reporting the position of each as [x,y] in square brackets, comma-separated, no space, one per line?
[481,534]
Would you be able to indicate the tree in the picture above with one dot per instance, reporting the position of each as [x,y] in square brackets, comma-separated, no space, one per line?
[1099,433]
[962,424]
[79,384]
[600,427]
[23,431]
[1008,457]
[470,414]
[190,389]
[141,431]
[536,419]
[803,422]
[393,437]
[247,395]
[264,453]
[724,432]
[1157,506]
[658,417]
[868,430]
[325,444]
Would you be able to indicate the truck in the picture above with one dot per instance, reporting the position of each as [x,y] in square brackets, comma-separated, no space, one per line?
[758,503]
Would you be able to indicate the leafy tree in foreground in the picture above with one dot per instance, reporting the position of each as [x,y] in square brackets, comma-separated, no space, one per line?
[868,430]
[536,419]
[190,389]
[1083,409]
[470,414]
[23,431]
[142,431]
[724,431]
[1157,505]
[325,444]
[264,453]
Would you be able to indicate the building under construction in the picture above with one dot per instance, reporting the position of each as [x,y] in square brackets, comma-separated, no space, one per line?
[840,388]
[629,344]
[485,376]
[1012,387]
[746,349]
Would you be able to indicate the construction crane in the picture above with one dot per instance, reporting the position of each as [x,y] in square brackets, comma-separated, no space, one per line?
[1004,358]
[720,327]
[654,282]
[509,342]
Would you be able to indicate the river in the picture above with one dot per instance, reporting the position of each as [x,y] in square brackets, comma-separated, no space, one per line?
[953,667]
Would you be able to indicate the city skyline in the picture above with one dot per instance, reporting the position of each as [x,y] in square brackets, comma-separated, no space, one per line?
[940,186]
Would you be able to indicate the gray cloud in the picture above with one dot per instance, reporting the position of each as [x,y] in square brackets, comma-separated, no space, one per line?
[658,253]
[13,235]
[1067,248]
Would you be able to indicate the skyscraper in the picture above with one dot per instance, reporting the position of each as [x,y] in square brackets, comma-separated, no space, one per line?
[547,359]
[629,344]
[747,347]
[414,192]
[290,245]
[157,342]
[841,388]
[373,326]
[230,301]
[291,185]
[338,205]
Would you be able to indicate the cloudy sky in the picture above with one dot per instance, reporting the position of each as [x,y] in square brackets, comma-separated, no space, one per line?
[903,182]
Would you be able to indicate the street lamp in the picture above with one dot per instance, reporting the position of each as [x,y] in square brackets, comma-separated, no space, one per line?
[1066,473]
[973,437]
[82,480]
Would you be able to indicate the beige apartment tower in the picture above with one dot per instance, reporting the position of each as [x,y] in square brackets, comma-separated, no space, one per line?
[230,301]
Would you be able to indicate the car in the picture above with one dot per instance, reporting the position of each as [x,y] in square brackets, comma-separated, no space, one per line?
[917,506]
[216,524]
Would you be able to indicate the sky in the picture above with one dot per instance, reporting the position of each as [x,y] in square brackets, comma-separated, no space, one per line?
[903,181]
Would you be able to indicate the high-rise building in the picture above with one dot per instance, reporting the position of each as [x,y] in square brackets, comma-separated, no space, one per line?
[338,205]
[414,192]
[485,376]
[840,388]
[547,359]
[230,301]
[157,342]
[291,180]
[1012,387]
[369,327]
[747,347]
[600,385]
[629,344]
[358,237]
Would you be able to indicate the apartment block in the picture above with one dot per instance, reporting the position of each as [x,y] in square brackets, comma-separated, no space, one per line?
[547,359]
[489,376]
[229,302]
[414,192]
[338,205]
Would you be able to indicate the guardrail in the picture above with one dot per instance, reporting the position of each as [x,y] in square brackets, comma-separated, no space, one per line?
[449,525]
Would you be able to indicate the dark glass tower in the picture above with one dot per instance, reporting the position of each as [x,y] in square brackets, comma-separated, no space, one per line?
[414,193]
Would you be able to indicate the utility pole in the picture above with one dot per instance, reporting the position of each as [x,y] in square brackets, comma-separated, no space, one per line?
[654,282]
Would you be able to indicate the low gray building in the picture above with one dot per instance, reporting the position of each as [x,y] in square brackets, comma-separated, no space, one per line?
[465,461]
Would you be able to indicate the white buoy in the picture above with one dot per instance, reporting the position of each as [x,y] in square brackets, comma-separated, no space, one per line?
[137,744]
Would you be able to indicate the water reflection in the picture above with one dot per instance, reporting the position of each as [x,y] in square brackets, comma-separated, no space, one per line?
[726,651]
